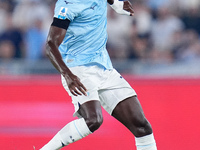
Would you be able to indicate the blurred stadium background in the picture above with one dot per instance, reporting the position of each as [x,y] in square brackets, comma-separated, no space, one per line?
[157,51]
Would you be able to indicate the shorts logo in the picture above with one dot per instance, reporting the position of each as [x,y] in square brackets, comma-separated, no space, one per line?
[62,13]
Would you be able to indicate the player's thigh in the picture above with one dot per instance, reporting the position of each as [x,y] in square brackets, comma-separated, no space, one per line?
[92,113]
[130,113]
[90,109]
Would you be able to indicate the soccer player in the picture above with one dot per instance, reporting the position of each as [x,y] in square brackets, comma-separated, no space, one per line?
[76,46]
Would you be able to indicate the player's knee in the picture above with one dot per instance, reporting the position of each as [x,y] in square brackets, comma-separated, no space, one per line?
[94,123]
[144,128]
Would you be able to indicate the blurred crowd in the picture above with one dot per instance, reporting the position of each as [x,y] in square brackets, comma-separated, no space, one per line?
[160,31]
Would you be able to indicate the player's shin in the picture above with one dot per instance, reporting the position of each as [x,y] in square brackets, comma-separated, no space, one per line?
[146,142]
[70,133]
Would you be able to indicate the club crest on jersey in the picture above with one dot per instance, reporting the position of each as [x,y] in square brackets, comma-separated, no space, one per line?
[62,13]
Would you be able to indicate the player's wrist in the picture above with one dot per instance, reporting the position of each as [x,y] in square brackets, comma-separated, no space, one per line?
[66,73]
[118,7]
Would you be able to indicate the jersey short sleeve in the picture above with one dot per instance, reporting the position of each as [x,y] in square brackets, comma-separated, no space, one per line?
[66,9]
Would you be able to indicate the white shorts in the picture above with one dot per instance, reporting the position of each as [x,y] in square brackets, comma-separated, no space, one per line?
[106,86]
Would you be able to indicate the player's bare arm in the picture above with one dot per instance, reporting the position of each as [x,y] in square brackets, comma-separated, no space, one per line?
[54,39]
[122,7]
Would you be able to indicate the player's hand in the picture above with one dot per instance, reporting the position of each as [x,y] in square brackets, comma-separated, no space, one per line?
[123,7]
[75,86]
[128,7]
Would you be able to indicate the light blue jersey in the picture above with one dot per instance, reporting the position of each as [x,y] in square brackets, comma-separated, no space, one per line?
[86,37]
